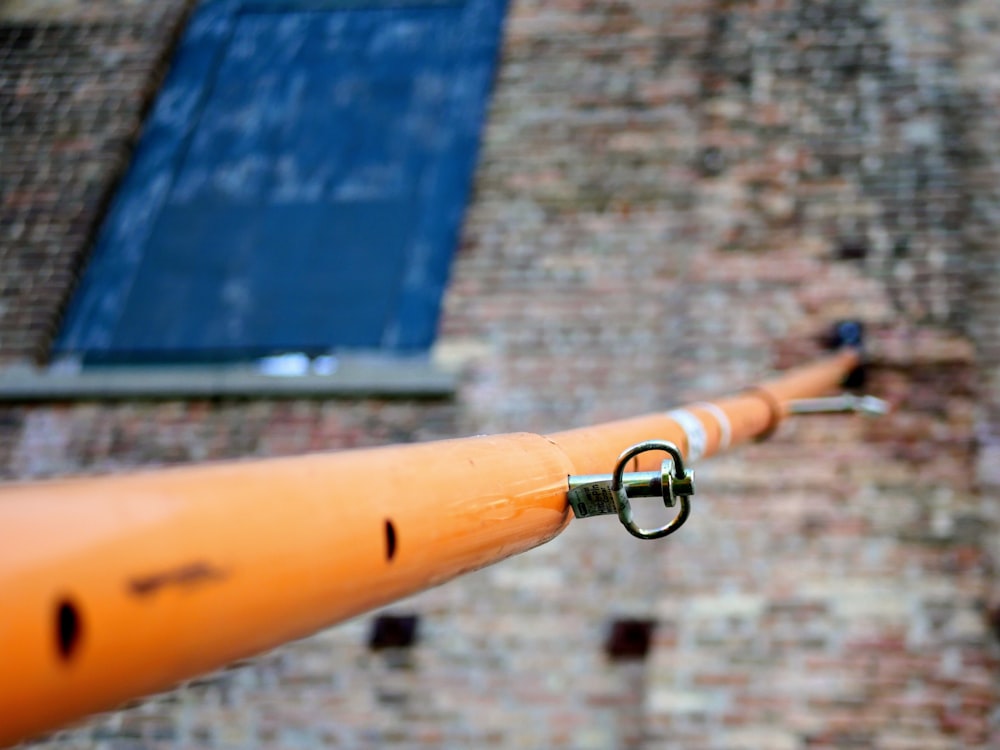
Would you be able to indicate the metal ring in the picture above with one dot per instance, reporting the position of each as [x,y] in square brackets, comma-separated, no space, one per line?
[622,504]
[773,405]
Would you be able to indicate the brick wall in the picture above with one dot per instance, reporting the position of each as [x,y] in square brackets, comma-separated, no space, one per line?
[977,68]
[75,78]
[675,197]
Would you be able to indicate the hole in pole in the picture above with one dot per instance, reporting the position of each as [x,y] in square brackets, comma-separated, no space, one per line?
[390,540]
[68,626]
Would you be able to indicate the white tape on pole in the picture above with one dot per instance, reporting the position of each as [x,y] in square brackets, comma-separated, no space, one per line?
[725,428]
[697,438]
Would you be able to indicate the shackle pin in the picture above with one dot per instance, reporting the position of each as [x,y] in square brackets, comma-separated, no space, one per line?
[604,494]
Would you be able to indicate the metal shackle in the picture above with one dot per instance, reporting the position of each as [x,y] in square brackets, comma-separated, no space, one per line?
[677,488]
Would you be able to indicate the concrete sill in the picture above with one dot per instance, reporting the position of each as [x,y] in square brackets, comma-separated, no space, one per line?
[380,378]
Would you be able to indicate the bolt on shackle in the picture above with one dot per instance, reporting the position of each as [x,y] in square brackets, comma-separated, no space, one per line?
[604,494]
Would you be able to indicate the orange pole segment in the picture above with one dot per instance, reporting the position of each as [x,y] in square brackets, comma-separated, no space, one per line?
[117,587]
[724,422]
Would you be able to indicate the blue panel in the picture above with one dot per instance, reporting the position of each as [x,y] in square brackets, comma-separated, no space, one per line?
[300,185]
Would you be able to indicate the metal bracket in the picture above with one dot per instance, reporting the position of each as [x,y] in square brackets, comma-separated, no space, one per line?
[870,406]
[604,494]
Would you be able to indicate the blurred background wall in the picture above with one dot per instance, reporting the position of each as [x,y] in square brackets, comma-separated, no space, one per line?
[673,198]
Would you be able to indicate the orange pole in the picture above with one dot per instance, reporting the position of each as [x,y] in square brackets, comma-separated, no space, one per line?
[724,423]
[117,587]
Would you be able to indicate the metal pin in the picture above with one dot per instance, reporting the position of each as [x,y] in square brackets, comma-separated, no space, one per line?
[845,403]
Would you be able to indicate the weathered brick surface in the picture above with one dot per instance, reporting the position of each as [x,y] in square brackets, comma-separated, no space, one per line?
[675,197]
[74,80]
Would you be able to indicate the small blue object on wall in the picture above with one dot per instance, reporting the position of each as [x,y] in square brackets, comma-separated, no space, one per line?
[299,186]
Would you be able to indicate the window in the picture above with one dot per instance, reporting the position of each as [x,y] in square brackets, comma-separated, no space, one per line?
[298,187]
